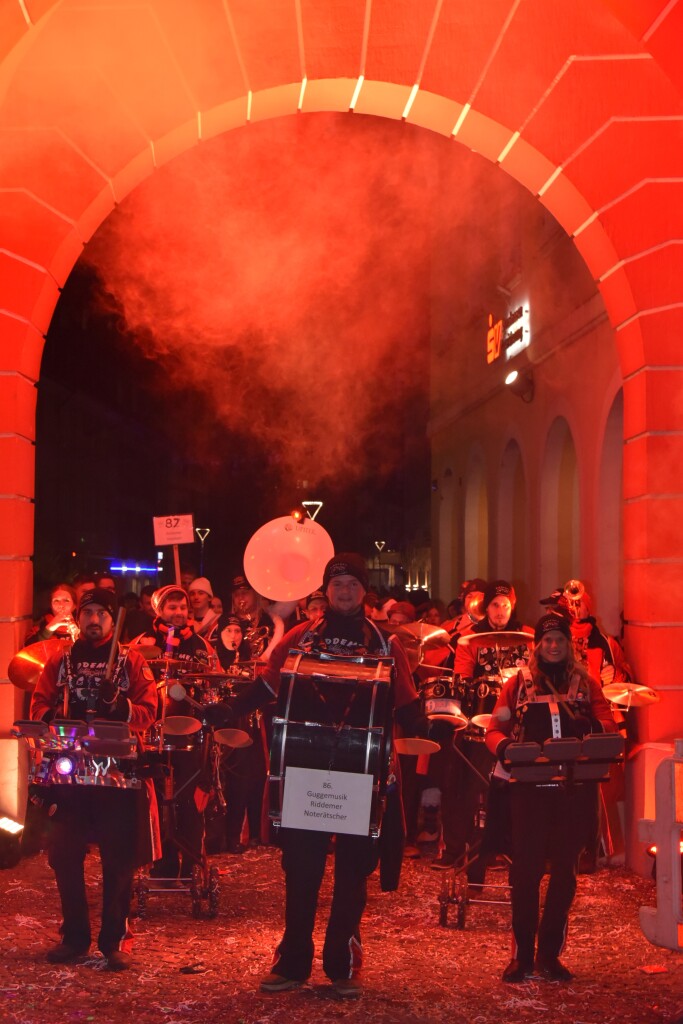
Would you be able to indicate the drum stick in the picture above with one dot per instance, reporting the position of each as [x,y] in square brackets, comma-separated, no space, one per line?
[178,692]
[114,645]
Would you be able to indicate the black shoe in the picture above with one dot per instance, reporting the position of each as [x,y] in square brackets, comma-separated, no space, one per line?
[516,971]
[553,969]
[117,960]
[278,983]
[348,988]
[235,848]
[65,953]
[444,862]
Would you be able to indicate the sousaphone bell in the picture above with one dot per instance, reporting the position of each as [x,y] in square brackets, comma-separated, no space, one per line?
[285,558]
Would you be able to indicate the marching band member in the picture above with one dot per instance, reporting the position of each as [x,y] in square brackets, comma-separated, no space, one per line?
[480,669]
[261,630]
[549,821]
[245,770]
[174,635]
[343,630]
[203,615]
[60,623]
[122,822]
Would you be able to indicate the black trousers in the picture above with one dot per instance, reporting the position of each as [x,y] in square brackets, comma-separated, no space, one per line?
[549,826]
[244,773]
[182,825]
[303,860]
[106,817]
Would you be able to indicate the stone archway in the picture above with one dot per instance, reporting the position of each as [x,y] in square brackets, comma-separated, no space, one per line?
[580,102]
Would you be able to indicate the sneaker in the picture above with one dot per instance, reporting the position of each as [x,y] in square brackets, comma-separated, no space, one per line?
[117,960]
[348,988]
[65,953]
[553,969]
[411,852]
[516,971]
[277,983]
[444,862]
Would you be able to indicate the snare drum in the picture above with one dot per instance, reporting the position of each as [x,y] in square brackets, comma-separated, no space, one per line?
[444,699]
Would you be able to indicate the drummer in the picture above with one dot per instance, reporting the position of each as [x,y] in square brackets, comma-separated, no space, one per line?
[243,771]
[174,636]
[483,669]
[73,685]
[343,631]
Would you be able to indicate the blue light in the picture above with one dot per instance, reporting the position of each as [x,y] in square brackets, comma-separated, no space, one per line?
[123,569]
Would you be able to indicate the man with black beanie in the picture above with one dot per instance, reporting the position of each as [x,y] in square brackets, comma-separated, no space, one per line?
[123,822]
[342,630]
[481,669]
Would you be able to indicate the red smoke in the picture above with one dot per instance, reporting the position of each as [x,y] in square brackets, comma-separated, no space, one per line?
[284,271]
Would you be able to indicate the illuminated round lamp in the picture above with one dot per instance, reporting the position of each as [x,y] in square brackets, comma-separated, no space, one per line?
[521,384]
[64,765]
[285,558]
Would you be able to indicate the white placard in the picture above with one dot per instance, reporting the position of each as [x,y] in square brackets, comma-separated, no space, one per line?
[173,530]
[323,801]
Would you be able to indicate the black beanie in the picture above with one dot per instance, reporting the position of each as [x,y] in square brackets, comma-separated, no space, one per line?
[551,621]
[107,598]
[346,564]
[497,588]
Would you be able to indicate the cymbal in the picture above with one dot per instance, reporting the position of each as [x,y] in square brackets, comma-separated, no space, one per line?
[630,695]
[180,725]
[415,745]
[232,738]
[497,638]
[25,668]
[421,633]
[167,662]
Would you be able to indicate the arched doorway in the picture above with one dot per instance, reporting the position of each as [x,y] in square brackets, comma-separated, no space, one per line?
[601,151]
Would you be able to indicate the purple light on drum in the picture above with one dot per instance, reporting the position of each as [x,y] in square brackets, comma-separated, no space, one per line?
[64,766]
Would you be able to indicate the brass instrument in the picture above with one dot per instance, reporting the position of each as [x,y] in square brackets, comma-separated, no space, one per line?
[573,594]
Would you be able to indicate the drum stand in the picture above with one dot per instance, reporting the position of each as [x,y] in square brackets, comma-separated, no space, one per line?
[204,884]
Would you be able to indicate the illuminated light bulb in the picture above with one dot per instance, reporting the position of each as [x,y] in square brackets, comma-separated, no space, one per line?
[64,766]
[11,826]
[511,377]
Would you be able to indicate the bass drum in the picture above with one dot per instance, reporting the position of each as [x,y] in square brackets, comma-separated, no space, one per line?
[333,713]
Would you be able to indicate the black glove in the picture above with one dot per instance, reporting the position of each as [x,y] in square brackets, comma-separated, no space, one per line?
[580,726]
[220,715]
[117,708]
[107,692]
[502,747]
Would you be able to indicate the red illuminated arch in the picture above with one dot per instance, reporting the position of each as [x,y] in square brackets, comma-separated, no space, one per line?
[580,101]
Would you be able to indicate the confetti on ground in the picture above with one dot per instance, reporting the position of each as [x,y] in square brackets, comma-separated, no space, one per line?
[189,971]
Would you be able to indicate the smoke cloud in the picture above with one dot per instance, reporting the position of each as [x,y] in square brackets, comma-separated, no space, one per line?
[285,272]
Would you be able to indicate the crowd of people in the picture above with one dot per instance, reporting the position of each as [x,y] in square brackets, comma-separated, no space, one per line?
[471,677]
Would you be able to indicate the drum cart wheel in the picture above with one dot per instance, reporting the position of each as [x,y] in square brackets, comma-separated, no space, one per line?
[454,894]
[205,887]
